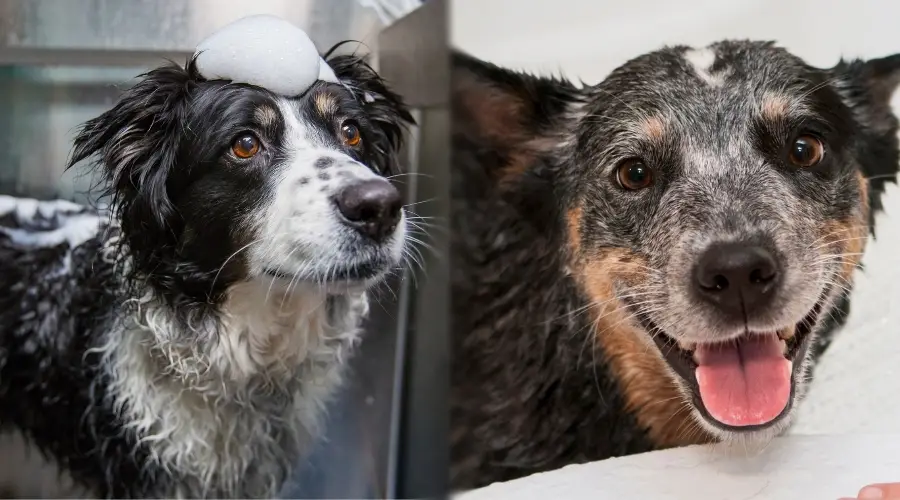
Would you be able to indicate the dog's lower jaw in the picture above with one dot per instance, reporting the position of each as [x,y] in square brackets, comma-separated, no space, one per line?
[229,403]
[757,439]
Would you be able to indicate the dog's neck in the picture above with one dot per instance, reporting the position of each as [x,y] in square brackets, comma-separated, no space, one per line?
[220,397]
[262,331]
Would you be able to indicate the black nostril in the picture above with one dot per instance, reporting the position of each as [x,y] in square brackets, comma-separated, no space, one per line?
[737,278]
[372,207]
[762,276]
[719,282]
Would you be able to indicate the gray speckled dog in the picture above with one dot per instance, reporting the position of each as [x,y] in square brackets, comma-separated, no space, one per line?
[655,260]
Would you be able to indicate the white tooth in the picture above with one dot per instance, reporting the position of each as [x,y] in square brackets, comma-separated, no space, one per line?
[786,334]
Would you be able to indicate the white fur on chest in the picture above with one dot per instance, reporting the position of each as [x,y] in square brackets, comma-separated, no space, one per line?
[231,402]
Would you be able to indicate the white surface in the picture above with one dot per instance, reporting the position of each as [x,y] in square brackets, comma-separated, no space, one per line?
[857,387]
[792,468]
[587,38]
[265,51]
[857,384]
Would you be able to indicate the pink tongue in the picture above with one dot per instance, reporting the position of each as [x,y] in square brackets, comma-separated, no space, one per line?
[744,384]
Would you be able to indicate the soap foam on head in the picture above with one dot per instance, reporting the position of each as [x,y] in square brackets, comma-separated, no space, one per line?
[265,51]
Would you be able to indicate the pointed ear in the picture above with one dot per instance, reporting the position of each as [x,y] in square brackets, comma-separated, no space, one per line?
[514,118]
[386,110]
[135,147]
[868,87]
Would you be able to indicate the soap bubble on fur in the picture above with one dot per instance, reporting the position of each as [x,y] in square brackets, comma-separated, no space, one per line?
[265,51]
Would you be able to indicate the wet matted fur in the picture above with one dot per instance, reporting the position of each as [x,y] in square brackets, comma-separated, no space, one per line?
[185,342]
[571,289]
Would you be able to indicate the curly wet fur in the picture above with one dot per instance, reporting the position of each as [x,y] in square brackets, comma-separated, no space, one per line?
[143,352]
[550,368]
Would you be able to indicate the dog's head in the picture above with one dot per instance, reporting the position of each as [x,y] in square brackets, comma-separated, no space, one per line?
[713,203]
[215,182]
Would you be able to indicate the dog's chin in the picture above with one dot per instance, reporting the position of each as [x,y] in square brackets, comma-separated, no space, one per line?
[349,275]
[743,389]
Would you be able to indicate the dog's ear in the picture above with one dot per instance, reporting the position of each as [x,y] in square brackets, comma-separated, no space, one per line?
[512,117]
[385,109]
[867,87]
[135,146]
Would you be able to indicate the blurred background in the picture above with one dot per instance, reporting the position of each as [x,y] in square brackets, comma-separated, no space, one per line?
[63,62]
[857,382]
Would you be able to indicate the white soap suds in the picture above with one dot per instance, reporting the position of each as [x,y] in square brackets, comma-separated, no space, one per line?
[265,51]
[74,230]
[7,204]
[326,74]
[73,224]
[29,208]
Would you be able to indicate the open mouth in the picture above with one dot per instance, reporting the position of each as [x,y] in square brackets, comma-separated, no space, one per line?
[743,384]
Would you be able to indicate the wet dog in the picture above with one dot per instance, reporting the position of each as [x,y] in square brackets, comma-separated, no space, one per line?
[656,260]
[184,342]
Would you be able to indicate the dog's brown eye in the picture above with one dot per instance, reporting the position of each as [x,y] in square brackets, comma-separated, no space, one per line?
[245,146]
[634,174]
[807,151]
[350,134]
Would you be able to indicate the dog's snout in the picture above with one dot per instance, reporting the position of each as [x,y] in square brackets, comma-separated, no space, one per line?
[372,207]
[739,279]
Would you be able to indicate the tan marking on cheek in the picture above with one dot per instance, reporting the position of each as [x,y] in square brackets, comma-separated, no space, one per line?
[858,230]
[648,385]
[775,107]
[266,116]
[849,236]
[326,104]
[573,224]
[863,197]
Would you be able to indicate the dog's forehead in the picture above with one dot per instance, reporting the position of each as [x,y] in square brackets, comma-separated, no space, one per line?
[325,100]
[741,78]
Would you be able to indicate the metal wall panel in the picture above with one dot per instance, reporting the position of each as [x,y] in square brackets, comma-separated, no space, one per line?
[414,58]
[128,31]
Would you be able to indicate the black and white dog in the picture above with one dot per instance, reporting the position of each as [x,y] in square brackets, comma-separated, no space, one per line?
[185,342]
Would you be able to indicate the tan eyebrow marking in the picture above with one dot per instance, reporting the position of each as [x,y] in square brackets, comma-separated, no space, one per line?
[653,128]
[775,107]
[326,104]
[266,115]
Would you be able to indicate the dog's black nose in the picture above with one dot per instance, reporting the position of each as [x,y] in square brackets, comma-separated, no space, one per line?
[739,279]
[371,207]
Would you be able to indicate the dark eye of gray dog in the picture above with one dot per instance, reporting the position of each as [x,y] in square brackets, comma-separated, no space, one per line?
[712,205]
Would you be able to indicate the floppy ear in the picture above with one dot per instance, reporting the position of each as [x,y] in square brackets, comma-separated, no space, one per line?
[385,109]
[867,87]
[136,147]
[513,118]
